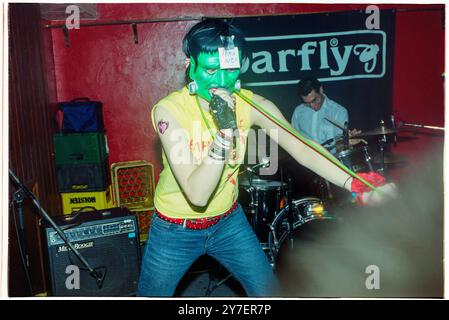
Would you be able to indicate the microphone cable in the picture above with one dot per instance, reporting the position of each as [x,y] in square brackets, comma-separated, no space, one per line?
[305,141]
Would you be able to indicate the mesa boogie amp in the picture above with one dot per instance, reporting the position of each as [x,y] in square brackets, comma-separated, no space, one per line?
[108,240]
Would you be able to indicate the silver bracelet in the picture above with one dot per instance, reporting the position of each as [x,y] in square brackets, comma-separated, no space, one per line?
[226,144]
[216,152]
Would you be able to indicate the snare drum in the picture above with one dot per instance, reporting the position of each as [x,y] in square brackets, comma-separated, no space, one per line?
[262,200]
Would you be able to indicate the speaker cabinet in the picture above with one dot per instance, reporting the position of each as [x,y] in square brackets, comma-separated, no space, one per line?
[108,240]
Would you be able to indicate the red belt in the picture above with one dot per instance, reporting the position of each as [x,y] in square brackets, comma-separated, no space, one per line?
[198,224]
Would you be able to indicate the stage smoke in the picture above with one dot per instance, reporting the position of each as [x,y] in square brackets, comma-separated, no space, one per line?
[392,251]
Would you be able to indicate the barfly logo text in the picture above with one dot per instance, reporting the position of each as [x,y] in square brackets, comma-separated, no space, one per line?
[333,56]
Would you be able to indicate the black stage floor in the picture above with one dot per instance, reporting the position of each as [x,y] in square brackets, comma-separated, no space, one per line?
[207,278]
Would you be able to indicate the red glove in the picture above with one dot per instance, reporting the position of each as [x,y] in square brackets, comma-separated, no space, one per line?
[358,188]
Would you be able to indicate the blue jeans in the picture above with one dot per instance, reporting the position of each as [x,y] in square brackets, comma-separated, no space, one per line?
[171,250]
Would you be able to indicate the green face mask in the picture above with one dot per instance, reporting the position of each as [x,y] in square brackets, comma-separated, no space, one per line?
[208,75]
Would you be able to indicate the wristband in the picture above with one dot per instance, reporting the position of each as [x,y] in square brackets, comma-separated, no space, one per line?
[358,188]
[216,155]
[344,184]
[222,141]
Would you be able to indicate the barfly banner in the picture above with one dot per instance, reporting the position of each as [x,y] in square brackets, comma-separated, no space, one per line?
[351,53]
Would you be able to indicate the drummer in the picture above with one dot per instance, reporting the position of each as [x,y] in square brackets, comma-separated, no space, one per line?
[321,119]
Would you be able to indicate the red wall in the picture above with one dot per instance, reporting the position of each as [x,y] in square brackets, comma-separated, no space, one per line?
[418,95]
[104,63]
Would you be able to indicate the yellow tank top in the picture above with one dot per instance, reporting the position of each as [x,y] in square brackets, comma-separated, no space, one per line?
[169,198]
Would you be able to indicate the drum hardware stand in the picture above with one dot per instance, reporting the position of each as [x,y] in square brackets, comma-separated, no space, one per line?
[252,191]
[368,159]
[290,212]
[21,193]
[393,125]
[275,242]
[382,141]
[324,189]
[211,289]
[346,135]
[253,205]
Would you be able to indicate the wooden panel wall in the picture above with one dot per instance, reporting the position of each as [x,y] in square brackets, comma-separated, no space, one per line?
[31,128]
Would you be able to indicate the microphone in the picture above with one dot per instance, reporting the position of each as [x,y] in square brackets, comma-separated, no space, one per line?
[222,115]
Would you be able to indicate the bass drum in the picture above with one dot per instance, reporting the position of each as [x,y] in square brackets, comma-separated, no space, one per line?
[309,219]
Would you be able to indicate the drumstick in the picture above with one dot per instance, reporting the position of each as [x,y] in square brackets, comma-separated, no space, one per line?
[298,136]
[335,123]
[361,140]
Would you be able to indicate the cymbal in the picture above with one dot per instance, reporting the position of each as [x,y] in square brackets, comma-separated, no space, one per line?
[390,158]
[376,132]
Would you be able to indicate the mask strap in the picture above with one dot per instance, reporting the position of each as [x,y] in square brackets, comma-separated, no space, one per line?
[228,42]
[229,53]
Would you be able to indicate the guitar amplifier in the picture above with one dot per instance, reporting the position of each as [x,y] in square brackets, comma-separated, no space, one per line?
[108,240]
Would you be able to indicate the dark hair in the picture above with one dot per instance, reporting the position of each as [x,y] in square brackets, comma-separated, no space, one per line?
[205,37]
[307,85]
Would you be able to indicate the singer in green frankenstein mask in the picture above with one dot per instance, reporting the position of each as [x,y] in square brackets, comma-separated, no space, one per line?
[208,69]
[196,199]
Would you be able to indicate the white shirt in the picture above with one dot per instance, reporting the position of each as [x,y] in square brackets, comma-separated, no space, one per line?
[313,125]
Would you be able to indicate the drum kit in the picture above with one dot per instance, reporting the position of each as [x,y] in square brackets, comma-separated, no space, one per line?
[277,219]
[365,156]
[359,157]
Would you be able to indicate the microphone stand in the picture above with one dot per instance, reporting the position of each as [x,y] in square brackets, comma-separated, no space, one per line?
[95,273]
[393,125]
[402,123]
[253,196]
[17,203]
